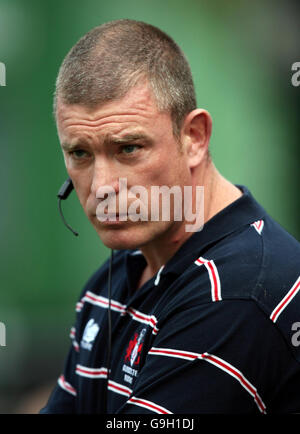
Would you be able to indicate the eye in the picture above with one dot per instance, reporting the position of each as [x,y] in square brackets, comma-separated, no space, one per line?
[78,154]
[129,149]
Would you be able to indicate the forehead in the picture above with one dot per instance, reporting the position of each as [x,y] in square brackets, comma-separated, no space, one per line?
[137,109]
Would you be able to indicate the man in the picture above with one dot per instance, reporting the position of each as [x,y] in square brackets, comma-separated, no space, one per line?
[202,321]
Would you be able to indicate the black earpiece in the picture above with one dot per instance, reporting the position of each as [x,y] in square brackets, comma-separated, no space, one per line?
[63,194]
[65,189]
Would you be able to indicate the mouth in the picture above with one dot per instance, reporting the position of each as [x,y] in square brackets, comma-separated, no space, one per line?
[112,219]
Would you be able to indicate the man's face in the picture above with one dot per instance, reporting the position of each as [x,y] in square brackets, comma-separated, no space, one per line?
[128,139]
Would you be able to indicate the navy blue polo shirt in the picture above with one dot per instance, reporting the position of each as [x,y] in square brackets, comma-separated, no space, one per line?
[216,330]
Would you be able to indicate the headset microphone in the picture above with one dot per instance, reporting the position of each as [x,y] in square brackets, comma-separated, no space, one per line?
[63,194]
[65,189]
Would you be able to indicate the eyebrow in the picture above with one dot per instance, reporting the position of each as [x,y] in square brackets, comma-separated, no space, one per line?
[69,147]
[110,140]
[127,138]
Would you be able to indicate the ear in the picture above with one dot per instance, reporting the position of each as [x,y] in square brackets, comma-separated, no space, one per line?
[195,136]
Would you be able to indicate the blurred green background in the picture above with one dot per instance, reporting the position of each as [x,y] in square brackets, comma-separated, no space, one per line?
[241,55]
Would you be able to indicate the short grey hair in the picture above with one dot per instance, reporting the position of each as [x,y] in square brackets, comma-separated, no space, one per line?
[112,58]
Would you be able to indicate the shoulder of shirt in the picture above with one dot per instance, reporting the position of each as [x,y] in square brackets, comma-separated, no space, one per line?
[248,264]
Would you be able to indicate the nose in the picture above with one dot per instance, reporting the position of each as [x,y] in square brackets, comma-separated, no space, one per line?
[105,178]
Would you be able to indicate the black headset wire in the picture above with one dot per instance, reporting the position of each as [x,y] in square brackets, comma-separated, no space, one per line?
[63,194]
[63,219]
[108,358]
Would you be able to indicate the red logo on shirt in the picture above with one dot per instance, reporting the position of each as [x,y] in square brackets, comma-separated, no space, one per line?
[133,352]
